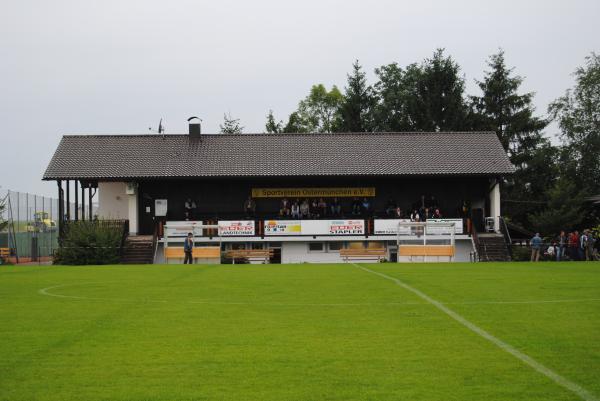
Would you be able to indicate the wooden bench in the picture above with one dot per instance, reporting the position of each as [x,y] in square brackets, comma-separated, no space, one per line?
[209,252]
[374,254]
[426,250]
[4,254]
[251,255]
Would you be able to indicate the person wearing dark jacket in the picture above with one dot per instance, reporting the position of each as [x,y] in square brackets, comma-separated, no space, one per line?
[188,248]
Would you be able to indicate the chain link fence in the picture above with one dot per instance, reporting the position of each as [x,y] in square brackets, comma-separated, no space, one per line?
[33,226]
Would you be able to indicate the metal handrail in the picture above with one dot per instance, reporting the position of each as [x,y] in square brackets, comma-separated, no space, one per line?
[506,234]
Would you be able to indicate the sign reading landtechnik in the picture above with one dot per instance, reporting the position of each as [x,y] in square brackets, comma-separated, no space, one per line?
[233,228]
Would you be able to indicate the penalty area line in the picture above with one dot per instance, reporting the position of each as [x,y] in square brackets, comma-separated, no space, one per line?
[537,366]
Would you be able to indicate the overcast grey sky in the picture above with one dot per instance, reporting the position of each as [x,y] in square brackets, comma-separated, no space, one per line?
[119,66]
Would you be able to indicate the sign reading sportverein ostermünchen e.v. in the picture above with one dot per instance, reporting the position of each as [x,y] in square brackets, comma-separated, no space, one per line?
[312,192]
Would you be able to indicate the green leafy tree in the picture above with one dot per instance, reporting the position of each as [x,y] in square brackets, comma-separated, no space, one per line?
[578,116]
[231,125]
[272,126]
[396,91]
[359,101]
[563,211]
[3,222]
[318,112]
[295,124]
[423,97]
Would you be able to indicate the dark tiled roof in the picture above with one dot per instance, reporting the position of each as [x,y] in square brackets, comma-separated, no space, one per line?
[157,156]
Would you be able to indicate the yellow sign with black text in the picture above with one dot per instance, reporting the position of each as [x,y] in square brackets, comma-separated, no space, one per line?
[312,192]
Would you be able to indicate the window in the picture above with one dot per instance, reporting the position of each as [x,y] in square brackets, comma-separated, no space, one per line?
[336,246]
[257,245]
[315,247]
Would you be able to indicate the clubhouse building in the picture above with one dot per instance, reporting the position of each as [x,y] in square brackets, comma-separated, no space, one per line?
[301,197]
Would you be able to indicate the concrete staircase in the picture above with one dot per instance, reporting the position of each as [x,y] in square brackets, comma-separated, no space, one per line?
[492,248]
[138,250]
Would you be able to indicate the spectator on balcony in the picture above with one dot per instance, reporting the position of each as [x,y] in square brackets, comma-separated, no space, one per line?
[250,207]
[295,210]
[366,207]
[437,214]
[415,216]
[190,209]
[305,209]
[390,208]
[284,208]
[398,213]
[322,207]
[314,209]
[356,205]
[336,208]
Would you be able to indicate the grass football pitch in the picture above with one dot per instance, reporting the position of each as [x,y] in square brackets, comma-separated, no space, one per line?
[486,331]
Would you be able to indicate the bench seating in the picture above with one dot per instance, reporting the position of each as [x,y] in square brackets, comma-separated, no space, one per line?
[251,255]
[426,250]
[375,254]
[209,252]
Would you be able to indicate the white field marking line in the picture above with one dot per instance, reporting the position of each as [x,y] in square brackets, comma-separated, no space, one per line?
[558,379]
[46,292]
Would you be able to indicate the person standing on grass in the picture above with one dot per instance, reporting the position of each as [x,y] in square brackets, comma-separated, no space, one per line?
[574,245]
[583,239]
[562,242]
[188,248]
[536,246]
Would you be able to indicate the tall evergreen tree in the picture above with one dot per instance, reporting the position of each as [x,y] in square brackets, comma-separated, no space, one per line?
[503,110]
[358,105]
[510,114]
[440,105]
[231,125]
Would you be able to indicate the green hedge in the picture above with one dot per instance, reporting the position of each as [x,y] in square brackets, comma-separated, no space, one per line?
[90,243]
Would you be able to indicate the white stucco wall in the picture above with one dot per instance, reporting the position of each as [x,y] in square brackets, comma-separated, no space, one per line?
[113,203]
[495,206]
[297,252]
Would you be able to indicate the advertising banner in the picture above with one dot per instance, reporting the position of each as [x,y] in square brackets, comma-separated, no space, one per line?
[283,227]
[346,227]
[389,226]
[236,228]
[314,227]
[458,226]
[312,192]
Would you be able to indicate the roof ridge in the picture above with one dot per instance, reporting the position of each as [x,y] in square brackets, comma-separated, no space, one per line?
[284,134]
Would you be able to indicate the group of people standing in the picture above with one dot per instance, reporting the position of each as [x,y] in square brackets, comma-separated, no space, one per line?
[314,209]
[572,245]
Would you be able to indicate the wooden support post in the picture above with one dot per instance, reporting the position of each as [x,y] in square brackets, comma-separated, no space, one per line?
[82,202]
[68,211]
[61,211]
[76,190]
[90,195]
